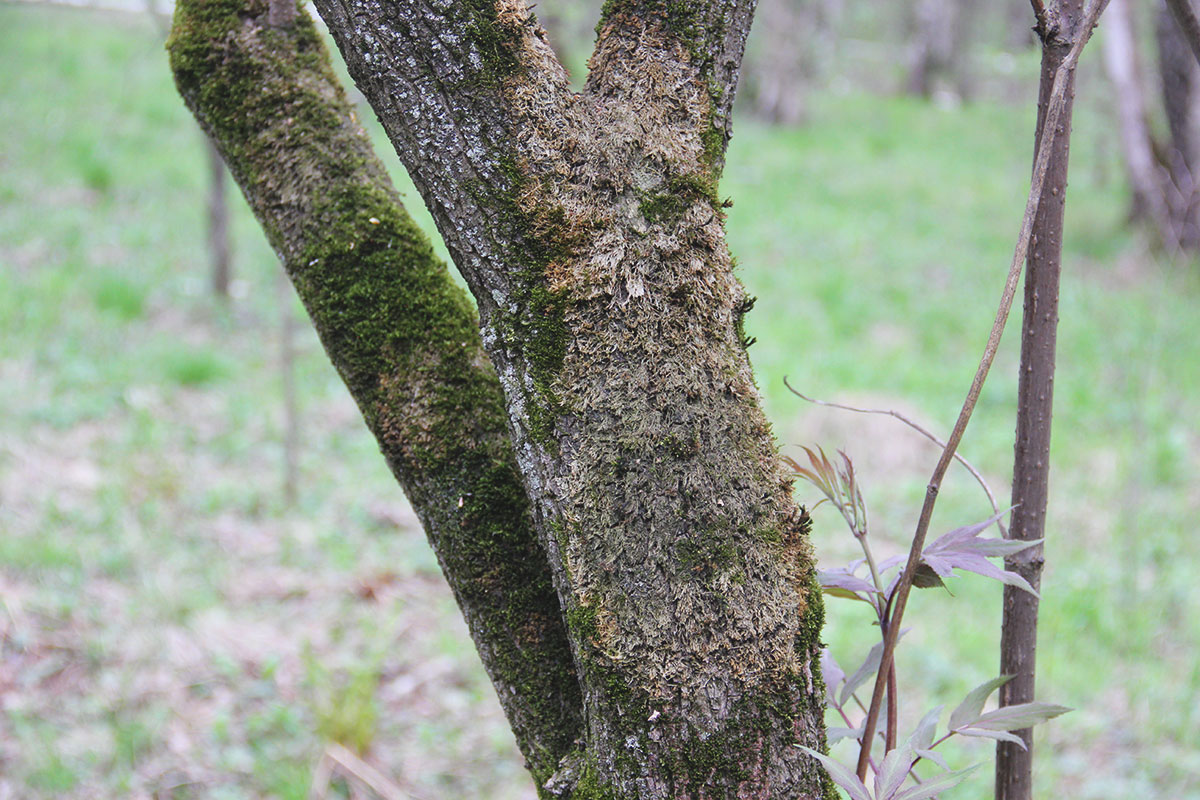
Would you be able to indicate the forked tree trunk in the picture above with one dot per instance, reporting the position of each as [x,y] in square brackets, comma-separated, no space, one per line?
[622,456]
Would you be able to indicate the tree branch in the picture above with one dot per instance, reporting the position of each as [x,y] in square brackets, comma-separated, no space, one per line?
[1054,110]
[401,335]
[701,42]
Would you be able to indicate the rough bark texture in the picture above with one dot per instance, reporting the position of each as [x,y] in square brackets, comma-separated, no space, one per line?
[403,337]
[1035,399]
[589,230]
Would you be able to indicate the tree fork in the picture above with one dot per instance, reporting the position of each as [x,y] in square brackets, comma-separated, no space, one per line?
[587,227]
[402,336]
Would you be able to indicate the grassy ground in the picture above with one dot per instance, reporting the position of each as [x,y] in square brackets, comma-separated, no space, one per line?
[171,625]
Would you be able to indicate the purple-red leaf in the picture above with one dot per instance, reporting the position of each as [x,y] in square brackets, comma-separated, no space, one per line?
[837,734]
[1018,717]
[834,579]
[971,706]
[1002,736]
[833,675]
[936,785]
[892,772]
[842,775]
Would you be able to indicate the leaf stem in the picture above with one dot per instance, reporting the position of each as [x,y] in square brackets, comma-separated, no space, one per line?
[1053,113]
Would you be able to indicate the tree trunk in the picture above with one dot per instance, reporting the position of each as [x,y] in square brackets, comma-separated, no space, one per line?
[1057,30]
[1180,82]
[790,50]
[589,230]
[400,333]
[1147,178]
[218,223]
[1020,20]
[940,34]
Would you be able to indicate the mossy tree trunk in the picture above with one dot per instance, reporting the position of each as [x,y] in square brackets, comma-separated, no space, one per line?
[602,489]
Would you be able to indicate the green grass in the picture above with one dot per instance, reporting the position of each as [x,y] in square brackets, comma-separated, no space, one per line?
[161,598]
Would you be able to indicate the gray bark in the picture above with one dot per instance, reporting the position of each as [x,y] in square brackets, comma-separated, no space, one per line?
[588,228]
[218,224]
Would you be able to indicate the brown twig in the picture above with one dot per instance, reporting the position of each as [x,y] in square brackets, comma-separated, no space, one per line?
[1053,113]
[927,434]
[1186,19]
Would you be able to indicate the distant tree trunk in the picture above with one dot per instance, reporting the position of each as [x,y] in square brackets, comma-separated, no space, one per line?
[1147,176]
[218,223]
[1019,24]
[1180,82]
[790,48]
[941,31]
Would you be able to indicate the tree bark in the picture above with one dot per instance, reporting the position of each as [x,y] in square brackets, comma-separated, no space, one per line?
[400,333]
[589,230]
[1058,30]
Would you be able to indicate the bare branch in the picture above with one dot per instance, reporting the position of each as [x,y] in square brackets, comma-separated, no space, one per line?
[916,427]
[1054,112]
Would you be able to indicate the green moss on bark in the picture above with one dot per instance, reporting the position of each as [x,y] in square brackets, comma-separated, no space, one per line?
[403,336]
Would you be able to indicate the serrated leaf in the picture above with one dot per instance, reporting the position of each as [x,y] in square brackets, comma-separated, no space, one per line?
[936,785]
[922,737]
[892,772]
[1002,736]
[1002,547]
[866,670]
[971,706]
[1018,717]
[845,594]
[962,549]
[842,775]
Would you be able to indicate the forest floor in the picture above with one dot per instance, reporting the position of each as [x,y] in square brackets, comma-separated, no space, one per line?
[172,626]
